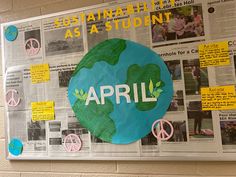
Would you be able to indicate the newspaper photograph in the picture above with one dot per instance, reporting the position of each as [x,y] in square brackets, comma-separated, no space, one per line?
[121,26]
[186,24]
[63,36]
[194,77]
[200,122]
[177,104]
[149,144]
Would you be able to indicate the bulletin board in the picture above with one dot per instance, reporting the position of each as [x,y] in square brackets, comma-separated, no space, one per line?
[54,65]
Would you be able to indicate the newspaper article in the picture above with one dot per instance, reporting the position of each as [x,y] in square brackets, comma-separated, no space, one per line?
[62,42]
[221,18]
[60,73]
[27,47]
[33,134]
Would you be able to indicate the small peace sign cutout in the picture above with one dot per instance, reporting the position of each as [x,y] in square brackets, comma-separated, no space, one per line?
[72,143]
[162,134]
[12,98]
[32,47]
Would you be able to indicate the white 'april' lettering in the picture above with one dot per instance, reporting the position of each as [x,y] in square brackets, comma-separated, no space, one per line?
[120,91]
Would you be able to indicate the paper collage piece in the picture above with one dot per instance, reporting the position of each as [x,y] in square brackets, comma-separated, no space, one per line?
[32,47]
[12,98]
[11,33]
[39,73]
[15,147]
[214,54]
[120,87]
[43,111]
[161,132]
[72,143]
[218,98]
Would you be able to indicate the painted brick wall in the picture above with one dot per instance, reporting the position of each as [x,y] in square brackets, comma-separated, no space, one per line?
[19,9]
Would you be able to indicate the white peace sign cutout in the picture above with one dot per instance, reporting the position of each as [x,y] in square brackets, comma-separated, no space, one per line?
[12,98]
[162,134]
[72,143]
[32,47]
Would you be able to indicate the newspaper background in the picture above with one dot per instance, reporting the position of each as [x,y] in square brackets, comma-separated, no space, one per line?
[215,130]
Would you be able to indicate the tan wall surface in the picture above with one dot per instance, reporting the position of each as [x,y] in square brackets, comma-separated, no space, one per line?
[19,9]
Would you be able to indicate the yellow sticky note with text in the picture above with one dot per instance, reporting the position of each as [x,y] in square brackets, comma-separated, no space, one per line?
[39,73]
[43,111]
[218,98]
[214,54]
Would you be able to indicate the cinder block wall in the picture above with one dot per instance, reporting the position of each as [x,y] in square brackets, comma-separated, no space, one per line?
[18,9]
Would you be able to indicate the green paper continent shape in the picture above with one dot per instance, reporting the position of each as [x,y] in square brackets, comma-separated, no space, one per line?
[96,118]
[148,73]
[113,50]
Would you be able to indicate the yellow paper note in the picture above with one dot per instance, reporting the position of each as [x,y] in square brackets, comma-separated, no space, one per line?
[218,98]
[43,111]
[39,73]
[214,54]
